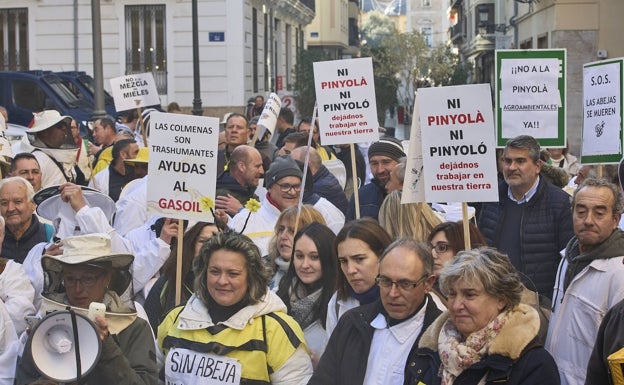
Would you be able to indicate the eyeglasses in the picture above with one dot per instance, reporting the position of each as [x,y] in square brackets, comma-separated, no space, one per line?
[402,284]
[85,281]
[286,187]
[440,247]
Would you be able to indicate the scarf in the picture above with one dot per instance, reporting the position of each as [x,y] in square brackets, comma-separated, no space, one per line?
[458,354]
[367,297]
[303,309]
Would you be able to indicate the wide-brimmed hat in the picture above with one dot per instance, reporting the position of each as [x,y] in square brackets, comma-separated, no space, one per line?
[49,202]
[46,119]
[91,249]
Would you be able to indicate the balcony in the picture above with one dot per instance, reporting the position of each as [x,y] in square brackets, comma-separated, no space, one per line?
[457,33]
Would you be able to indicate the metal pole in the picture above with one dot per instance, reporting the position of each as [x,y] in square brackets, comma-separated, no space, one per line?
[197,103]
[98,73]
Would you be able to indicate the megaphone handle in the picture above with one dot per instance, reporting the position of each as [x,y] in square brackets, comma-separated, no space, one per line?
[76,344]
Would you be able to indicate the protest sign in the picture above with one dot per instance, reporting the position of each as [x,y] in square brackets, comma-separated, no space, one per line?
[413,185]
[602,112]
[345,95]
[530,95]
[457,129]
[133,91]
[268,118]
[182,166]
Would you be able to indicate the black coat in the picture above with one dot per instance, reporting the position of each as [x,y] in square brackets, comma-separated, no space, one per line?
[546,228]
[346,355]
[515,356]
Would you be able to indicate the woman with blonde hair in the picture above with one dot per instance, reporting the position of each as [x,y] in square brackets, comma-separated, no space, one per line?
[412,220]
[281,245]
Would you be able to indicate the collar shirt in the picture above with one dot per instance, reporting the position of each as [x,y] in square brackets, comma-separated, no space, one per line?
[390,347]
[527,196]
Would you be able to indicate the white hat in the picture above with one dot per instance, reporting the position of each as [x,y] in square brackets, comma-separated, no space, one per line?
[51,207]
[46,119]
[226,116]
[91,249]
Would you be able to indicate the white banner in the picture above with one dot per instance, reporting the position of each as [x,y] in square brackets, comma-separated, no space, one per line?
[458,143]
[133,91]
[268,118]
[182,165]
[345,96]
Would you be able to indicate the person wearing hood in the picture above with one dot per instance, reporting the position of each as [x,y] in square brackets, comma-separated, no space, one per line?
[88,271]
[590,277]
[51,141]
[233,328]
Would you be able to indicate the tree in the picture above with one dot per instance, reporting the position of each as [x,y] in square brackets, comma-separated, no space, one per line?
[443,67]
[305,95]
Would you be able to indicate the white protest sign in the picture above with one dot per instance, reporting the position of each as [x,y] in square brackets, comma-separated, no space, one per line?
[188,367]
[268,118]
[133,91]
[602,112]
[531,95]
[345,96]
[182,165]
[413,185]
[457,129]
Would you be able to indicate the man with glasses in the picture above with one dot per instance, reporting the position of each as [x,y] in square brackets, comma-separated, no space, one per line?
[283,183]
[375,343]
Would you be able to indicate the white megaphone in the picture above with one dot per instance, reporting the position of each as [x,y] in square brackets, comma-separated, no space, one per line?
[65,346]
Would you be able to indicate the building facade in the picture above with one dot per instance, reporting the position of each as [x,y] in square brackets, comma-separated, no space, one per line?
[246,47]
[335,29]
[589,30]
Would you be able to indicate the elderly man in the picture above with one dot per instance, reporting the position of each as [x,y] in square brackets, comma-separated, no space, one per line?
[383,156]
[238,184]
[22,229]
[373,343]
[51,142]
[27,166]
[532,221]
[89,271]
[590,279]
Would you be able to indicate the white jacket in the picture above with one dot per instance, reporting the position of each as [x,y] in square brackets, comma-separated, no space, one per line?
[100,181]
[9,347]
[578,312]
[335,309]
[132,206]
[261,225]
[51,174]
[17,293]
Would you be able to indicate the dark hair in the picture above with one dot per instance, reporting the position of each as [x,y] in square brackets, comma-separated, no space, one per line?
[454,233]
[237,115]
[20,156]
[300,139]
[286,114]
[323,238]
[129,115]
[522,142]
[368,231]
[618,198]
[108,122]
[257,275]
[170,266]
[121,145]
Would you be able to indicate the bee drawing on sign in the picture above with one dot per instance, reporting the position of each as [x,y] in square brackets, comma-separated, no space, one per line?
[416,176]
[599,129]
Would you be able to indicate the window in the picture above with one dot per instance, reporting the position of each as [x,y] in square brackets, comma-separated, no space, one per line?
[427,35]
[146,49]
[14,39]
[29,95]
[426,3]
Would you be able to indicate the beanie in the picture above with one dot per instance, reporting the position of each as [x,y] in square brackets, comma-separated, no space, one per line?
[387,146]
[281,167]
